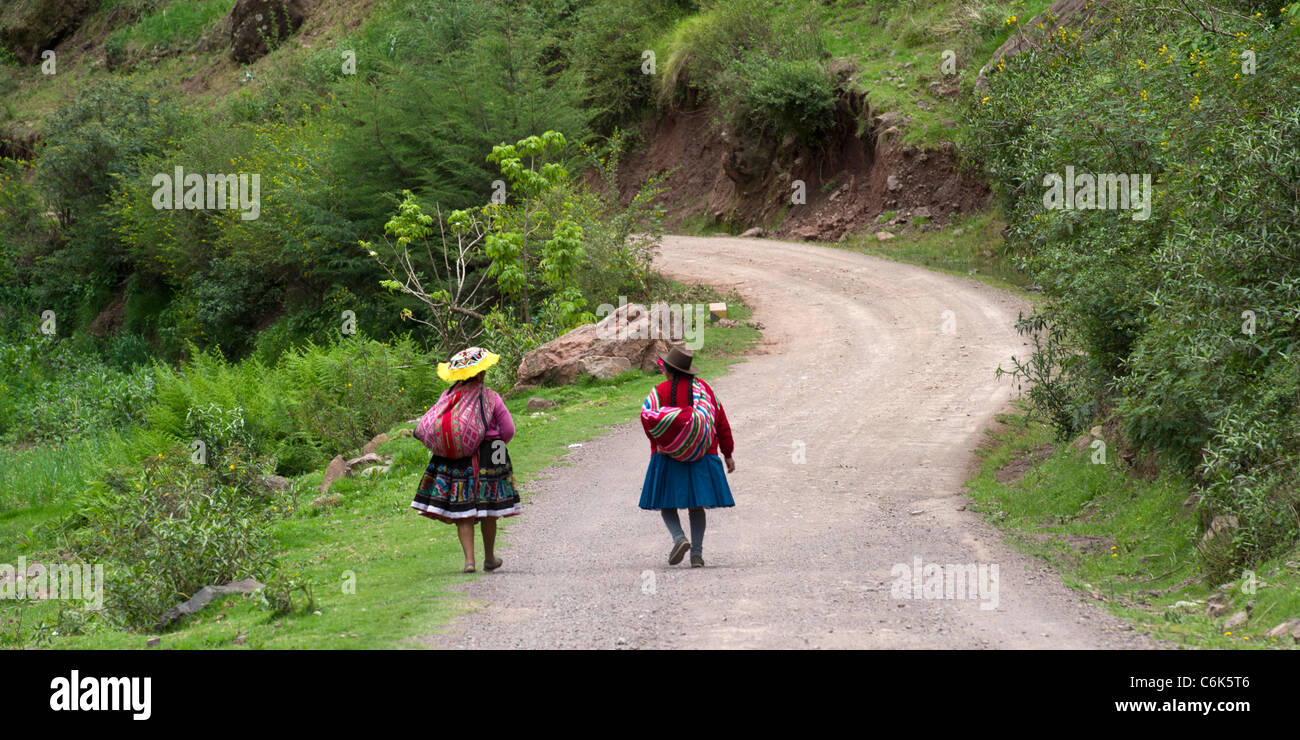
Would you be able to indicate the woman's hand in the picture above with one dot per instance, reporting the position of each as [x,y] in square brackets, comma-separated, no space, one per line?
[731,465]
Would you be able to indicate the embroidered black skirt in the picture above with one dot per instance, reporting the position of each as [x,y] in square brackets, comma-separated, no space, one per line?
[450,492]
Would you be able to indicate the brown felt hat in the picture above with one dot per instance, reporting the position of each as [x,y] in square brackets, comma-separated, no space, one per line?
[679,359]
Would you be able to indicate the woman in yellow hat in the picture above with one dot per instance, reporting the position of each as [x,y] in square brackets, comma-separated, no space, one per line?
[478,487]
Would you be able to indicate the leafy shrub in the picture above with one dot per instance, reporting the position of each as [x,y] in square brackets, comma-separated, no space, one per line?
[762,63]
[173,527]
[789,97]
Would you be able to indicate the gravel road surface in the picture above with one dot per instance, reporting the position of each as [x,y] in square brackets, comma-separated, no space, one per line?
[856,370]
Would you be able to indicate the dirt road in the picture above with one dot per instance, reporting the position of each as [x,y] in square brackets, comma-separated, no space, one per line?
[857,369]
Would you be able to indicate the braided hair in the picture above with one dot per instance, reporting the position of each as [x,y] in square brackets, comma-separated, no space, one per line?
[676,376]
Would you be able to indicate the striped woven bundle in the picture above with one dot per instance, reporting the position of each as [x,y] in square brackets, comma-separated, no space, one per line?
[680,433]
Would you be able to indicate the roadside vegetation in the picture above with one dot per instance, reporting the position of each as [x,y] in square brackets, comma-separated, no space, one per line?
[1177,332]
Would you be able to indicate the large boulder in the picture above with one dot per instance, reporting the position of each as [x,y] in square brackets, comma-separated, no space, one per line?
[28,27]
[632,333]
[254,22]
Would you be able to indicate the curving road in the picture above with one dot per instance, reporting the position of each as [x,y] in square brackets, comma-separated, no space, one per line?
[857,370]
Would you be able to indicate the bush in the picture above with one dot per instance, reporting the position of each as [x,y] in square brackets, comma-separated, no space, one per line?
[173,527]
[789,97]
[763,64]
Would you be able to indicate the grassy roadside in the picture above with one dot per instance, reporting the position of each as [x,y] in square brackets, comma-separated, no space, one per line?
[971,246]
[1126,542]
[379,572]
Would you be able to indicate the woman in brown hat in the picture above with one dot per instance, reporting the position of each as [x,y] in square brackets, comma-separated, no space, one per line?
[687,427]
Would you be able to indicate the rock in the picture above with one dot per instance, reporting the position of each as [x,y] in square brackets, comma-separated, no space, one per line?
[1096,432]
[405,433]
[1283,629]
[375,470]
[28,28]
[276,482]
[328,501]
[632,331]
[604,368]
[1216,606]
[205,596]
[883,236]
[254,22]
[153,642]
[374,443]
[1081,444]
[1219,526]
[1192,501]
[1236,620]
[840,68]
[540,404]
[367,459]
[893,183]
[888,118]
[338,468]
[240,639]
[921,212]
[755,232]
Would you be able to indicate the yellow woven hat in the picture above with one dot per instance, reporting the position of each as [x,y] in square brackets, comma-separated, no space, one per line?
[466,364]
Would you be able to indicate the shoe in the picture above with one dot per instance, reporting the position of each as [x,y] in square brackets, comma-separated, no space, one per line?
[494,564]
[680,547]
[469,568]
[697,561]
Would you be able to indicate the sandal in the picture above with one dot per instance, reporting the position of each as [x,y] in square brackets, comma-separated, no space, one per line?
[469,568]
[494,565]
[679,550]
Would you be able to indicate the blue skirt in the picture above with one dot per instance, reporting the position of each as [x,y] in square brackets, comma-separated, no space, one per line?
[670,484]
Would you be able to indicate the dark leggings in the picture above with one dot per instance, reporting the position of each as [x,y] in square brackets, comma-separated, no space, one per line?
[674,523]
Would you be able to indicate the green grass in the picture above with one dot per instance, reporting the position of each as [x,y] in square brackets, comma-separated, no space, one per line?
[898,48]
[171,27]
[402,563]
[970,243]
[1126,542]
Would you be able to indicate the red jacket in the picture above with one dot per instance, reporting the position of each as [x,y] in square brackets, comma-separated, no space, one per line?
[723,440]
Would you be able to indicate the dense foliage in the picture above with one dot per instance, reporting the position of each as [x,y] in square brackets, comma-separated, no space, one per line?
[1184,327]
